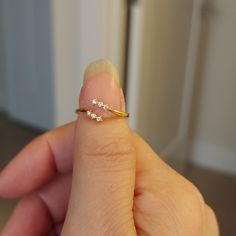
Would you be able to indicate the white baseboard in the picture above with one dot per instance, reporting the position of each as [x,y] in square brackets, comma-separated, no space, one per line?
[214,157]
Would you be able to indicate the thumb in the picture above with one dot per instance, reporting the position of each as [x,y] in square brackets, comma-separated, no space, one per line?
[104,161]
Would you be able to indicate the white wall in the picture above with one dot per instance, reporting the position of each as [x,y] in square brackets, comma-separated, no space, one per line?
[83,31]
[65,41]
[213,129]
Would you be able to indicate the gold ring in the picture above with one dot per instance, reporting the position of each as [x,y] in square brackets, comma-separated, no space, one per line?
[103,106]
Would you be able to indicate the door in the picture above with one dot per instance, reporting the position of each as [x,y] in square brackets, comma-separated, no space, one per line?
[163,43]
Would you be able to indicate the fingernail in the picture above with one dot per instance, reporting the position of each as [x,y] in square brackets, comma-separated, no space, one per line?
[99,67]
[101,82]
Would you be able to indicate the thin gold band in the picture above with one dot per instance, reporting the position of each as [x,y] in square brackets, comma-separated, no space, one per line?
[118,113]
[114,111]
[103,106]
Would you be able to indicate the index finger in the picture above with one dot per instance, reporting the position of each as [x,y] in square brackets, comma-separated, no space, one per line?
[38,162]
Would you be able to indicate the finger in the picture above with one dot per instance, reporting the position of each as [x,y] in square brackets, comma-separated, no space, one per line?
[212,227]
[149,164]
[57,230]
[31,217]
[38,213]
[55,195]
[104,162]
[38,162]
[163,197]
[53,233]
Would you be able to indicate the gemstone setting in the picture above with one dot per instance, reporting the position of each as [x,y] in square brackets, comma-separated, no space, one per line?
[94,116]
[100,104]
[94,101]
[99,119]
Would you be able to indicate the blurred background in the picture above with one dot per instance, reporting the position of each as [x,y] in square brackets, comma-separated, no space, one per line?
[177,64]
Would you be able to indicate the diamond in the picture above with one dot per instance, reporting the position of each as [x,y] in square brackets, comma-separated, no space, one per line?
[88,113]
[93,116]
[94,101]
[99,119]
[100,104]
[105,107]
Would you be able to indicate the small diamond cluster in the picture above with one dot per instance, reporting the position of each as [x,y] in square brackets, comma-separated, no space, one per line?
[97,103]
[94,116]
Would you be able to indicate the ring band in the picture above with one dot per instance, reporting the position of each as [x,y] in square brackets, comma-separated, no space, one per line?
[106,107]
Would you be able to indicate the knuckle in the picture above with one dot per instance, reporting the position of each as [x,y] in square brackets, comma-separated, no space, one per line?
[187,207]
[195,195]
[110,150]
[190,194]
[187,189]
[193,199]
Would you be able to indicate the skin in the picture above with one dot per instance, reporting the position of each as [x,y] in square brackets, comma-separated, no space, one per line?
[118,186]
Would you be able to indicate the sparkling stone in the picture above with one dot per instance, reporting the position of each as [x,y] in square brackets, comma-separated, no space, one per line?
[99,119]
[93,116]
[100,104]
[94,101]
[88,113]
[105,107]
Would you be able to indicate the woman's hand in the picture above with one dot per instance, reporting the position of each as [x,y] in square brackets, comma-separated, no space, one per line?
[119,185]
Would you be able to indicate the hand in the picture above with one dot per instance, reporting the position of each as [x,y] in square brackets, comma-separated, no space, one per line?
[119,185]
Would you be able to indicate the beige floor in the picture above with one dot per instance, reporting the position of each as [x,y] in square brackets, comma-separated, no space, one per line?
[13,136]
[6,207]
[219,190]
